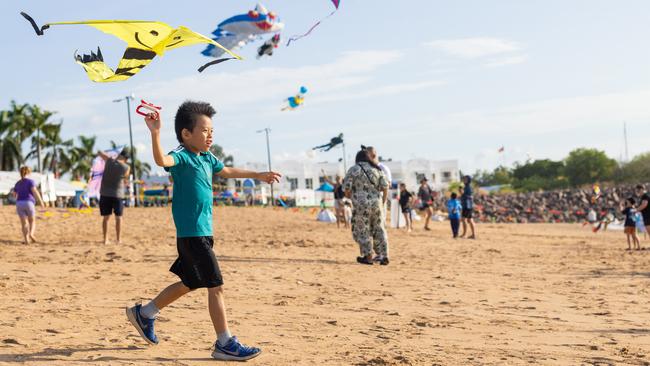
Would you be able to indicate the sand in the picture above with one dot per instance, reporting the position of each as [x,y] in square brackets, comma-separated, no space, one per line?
[520,294]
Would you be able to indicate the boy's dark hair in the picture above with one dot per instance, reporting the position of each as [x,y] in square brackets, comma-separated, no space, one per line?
[187,115]
[631,200]
[454,195]
[640,186]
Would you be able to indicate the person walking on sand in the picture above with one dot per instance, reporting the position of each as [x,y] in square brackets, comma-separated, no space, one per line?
[192,167]
[366,185]
[405,201]
[26,196]
[426,196]
[111,192]
[467,200]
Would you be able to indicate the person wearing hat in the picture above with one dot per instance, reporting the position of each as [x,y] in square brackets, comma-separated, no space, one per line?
[425,194]
[111,193]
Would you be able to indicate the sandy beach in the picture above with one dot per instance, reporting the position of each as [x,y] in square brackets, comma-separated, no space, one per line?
[520,294]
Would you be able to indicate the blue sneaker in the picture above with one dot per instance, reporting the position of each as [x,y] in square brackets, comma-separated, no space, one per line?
[234,351]
[142,324]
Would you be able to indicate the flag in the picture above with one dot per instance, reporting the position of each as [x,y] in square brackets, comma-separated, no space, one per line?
[501,149]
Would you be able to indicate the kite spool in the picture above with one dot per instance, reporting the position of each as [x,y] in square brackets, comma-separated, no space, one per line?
[148,106]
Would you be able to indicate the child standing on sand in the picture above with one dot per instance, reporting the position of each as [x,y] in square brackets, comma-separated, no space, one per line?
[630,224]
[454,209]
[192,167]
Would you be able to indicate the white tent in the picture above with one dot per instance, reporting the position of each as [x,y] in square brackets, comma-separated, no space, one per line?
[61,188]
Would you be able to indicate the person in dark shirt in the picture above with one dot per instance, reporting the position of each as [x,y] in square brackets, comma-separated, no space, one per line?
[425,194]
[467,201]
[644,205]
[630,224]
[405,198]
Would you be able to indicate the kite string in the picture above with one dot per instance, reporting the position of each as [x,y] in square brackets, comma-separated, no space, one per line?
[297,37]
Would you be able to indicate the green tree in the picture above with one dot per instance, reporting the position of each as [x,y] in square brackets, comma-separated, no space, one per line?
[37,121]
[57,157]
[499,176]
[13,132]
[82,156]
[586,166]
[537,175]
[637,170]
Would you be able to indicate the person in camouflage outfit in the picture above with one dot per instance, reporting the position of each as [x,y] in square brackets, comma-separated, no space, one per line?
[366,185]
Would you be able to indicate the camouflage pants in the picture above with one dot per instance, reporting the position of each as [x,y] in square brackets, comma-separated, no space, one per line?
[369,228]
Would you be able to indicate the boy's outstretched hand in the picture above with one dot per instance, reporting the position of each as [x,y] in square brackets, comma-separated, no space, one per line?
[269,177]
[153,121]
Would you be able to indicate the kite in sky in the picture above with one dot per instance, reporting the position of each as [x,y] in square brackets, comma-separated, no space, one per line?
[297,37]
[235,32]
[145,40]
[297,100]
[334,141]
[268,46]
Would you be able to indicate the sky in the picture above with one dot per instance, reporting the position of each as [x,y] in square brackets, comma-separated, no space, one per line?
[416,78]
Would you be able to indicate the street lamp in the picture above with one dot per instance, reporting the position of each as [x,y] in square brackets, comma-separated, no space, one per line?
[128,99]
[268,155]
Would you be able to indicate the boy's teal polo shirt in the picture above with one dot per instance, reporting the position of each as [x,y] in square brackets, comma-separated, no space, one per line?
[192,201]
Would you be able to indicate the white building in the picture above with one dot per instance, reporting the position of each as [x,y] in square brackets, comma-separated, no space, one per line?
[307,175]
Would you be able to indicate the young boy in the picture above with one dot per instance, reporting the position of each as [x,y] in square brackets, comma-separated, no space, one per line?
[630,224]
[192,166]
[454,209]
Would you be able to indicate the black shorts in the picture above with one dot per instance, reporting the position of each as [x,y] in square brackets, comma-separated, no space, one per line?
[424,206]
[109,205]
[196,264]
[406,209]
[466,213]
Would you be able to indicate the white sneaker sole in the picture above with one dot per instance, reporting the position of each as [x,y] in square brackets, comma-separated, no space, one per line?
[131,316]
[226,357]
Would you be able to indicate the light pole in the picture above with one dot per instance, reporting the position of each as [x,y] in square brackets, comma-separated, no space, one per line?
[268,155]
[128,99]
[345,163]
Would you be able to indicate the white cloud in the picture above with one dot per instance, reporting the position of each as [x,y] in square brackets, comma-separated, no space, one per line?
[555,115]
[511,60]
[381,91]
[471,48]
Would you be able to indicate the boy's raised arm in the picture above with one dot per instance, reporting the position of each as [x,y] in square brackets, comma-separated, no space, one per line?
[154,123]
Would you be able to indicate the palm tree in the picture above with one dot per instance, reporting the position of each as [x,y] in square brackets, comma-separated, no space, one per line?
[13,131]
[82,157]
[37,121]
[58,159]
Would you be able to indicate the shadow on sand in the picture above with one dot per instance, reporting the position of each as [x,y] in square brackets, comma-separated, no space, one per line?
[64,354]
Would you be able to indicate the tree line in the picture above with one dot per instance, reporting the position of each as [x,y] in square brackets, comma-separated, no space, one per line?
[582,166]
[47,151]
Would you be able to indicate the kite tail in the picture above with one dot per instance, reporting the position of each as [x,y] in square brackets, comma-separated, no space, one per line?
[39,31]
[297,37]
[214,63]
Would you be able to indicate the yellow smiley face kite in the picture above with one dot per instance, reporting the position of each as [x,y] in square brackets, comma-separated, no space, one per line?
[145,40]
